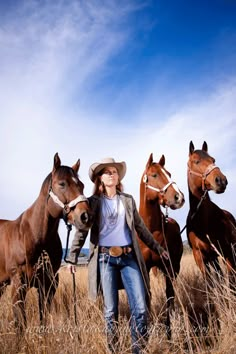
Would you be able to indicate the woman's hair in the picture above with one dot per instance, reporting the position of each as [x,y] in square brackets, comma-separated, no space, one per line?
[99,187]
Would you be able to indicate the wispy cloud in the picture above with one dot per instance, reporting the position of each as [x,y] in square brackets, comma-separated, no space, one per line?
[50,55]
[52,58]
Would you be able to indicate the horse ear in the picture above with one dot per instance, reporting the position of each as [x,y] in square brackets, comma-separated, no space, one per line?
[76,166]
[150,160]
[191,147]
[57,162]
[204,147]
[162,161]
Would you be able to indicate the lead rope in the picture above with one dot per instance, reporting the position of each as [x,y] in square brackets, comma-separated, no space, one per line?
[69,228]
[198,206]
[164,221]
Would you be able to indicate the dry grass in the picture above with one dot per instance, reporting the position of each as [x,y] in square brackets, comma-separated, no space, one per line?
[202,323]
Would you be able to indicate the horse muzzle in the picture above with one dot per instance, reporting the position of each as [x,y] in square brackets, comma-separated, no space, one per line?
[81,219]
[219,184]
[175,203]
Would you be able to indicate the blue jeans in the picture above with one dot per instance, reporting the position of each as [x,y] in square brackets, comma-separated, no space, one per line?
[126,267]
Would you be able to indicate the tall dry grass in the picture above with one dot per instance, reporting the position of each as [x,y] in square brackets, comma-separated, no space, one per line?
[204,321]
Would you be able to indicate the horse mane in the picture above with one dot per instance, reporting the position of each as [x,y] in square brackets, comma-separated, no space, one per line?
[46,182]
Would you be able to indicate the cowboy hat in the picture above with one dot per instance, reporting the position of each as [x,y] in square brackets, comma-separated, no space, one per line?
[97,167]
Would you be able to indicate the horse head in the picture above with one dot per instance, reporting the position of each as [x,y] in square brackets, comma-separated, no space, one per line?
[66,198]
[158,185]
[203,174]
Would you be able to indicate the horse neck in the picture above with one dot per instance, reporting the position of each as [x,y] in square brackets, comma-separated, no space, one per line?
[150,211]
[38,215]
[195,199]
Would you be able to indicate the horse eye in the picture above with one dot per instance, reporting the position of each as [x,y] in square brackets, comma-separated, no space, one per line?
[154,175]
[62,184]
[197,162]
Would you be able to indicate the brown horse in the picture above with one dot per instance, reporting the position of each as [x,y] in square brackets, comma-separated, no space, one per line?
[30,247]
[156,190]
[211,231]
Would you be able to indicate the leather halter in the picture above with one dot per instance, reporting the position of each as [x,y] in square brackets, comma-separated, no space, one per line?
[67,207]
[162,190]
[203,175]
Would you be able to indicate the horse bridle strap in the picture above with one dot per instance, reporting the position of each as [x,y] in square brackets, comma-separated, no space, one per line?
[67,207]
[162,191]
[203,175]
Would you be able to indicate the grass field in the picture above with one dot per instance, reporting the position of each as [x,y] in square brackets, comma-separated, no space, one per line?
[203,322]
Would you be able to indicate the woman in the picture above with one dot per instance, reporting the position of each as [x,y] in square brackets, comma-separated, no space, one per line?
[115,259]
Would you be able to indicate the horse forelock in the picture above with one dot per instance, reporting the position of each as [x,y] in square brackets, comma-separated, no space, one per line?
[162,169]
[65,172]
[201,153]
[61,172]
[200,156]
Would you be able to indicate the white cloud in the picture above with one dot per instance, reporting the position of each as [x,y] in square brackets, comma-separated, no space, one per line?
[47,54]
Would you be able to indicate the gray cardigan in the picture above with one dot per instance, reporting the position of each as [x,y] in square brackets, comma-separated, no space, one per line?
[135,224]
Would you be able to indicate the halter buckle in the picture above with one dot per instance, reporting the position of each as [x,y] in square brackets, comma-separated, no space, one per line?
[166,215]
[66,209]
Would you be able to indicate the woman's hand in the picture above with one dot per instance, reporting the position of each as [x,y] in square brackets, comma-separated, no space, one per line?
[71,268]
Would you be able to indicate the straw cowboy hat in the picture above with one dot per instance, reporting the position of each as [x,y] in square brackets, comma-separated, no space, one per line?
[97,167]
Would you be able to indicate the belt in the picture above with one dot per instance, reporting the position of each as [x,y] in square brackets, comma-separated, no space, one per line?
[115,251]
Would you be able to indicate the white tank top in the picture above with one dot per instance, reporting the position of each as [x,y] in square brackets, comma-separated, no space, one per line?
[114,230]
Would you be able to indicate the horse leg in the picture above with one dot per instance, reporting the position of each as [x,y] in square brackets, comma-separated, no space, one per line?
[232,275]
[170,295]
[217,269]
[46,292]
[204,267]
[18,294]
[3,287]
[52,290]
[198,256]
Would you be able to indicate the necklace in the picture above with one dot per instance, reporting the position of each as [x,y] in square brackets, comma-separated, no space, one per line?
[110,210]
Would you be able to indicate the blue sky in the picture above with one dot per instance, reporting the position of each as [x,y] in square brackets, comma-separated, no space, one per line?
[91,79]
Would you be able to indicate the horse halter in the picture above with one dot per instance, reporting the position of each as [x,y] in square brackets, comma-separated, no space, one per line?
[67,207]
[162,190]
[203,175]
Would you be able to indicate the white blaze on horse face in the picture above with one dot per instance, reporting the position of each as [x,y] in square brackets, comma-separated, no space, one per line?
[174,185]
[75,180]
[176,188]
[166,175]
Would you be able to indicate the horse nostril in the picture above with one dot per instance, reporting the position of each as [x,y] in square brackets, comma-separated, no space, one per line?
[178,197]
[221,181]
[84,217]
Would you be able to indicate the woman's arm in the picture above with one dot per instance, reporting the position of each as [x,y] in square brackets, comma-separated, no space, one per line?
[77,244]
